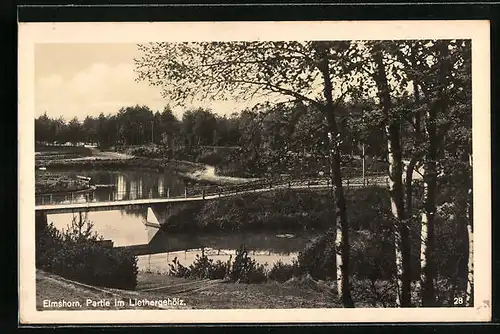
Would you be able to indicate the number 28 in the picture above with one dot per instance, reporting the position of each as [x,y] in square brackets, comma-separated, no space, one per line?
[458,301]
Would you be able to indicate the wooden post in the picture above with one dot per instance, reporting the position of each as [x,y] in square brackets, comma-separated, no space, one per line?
[50,198]
[185,192]
[203,193]
[72,197]
[347,183]
[168,192]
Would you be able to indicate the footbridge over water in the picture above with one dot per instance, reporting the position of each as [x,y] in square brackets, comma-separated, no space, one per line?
[161,208]
[46,205]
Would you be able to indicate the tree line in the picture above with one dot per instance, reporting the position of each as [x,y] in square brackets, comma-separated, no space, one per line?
[415,98]
[139,125]
[268,134]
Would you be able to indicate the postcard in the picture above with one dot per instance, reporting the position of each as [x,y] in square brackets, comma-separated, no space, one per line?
[254,172]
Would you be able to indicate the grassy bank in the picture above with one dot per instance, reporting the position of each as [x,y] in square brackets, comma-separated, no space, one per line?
[47,182]
[136,162]
[238,162]
[281,210]
[69,150]
[196,294]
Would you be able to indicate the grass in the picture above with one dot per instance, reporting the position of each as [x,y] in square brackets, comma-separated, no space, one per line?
[79,150]
[47,182]
[207,296]
[136,162]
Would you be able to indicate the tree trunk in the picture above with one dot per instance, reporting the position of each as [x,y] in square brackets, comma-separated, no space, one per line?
[469,299]
[427,266]
[427,237]
[341,224]
[413,161]
[394,157]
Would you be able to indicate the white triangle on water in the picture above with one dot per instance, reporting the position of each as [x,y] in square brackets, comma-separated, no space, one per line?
[151,219]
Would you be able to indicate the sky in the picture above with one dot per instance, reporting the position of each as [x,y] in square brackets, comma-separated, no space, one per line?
[76,80]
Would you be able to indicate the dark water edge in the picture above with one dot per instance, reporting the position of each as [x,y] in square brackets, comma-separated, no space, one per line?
[273,242]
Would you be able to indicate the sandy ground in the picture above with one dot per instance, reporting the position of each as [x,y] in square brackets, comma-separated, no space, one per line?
[208,174]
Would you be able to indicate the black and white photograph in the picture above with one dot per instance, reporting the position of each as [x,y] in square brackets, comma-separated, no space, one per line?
[313,167]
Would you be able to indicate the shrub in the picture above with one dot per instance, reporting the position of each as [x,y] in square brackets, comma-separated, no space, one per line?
[318,258]
[278,210]
[148,151]
[177,269]
[373,293]
[282,272]
[371,256]
[78,253]
[245,269]
[242,270]
[202,268]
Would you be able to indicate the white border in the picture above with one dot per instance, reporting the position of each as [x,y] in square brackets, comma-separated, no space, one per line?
[478,31]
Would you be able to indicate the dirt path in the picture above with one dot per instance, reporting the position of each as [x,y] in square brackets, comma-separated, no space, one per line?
[103,155]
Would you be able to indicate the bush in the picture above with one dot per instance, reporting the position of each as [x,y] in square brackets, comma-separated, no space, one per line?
[242,270]
[277,211]
[245,269]
[371,256]
[318,258]
[202,268]
[78,253]
[373,293]
[148,151]
[282,272]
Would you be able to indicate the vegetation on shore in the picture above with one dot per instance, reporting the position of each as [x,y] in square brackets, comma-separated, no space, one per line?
[47,182]
[371,233]
[135,162]
[79,253]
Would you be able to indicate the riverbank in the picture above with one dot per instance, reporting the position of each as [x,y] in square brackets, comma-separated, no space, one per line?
[92,158]
[49,183]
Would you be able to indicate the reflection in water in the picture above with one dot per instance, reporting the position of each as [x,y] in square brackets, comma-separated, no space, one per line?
[120,185]
[123,229]
[157,248]
[159,262]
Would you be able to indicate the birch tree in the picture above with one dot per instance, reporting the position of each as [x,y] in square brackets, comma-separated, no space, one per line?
[313,73]
[442,72]
[392,124]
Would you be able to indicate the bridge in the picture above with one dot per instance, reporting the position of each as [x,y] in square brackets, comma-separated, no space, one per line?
[200,194]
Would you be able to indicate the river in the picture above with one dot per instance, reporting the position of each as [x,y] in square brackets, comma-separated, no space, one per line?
[121,185]
[126,228]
